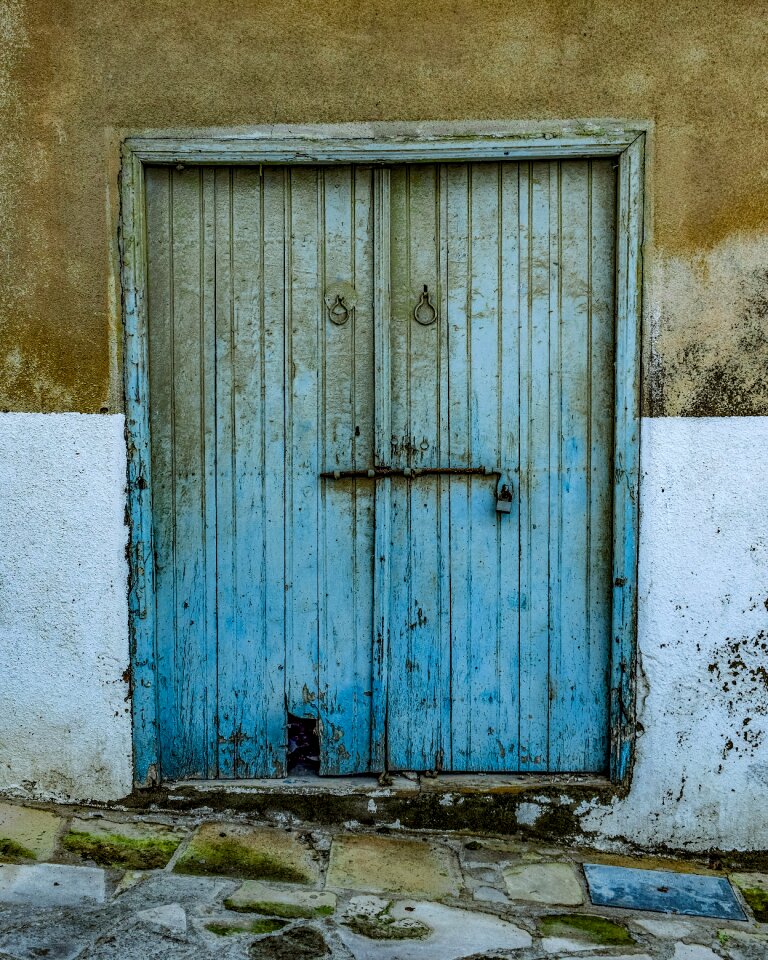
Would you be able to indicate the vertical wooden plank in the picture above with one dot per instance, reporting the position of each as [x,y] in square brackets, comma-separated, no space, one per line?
[187,603]
[141,599]
[489,726]
[160,218]
[306,412]
[627,455]
[420,697]
[508,418]
[232,659]
[347,505]
[364,453]
[478,698]
[603,344]
[572,704]
[397,327]
[581,632]
[383,321]
[251,704]
[274,457]
[338,747]
[160,428]
[458,288]
[442,459]
[534,464]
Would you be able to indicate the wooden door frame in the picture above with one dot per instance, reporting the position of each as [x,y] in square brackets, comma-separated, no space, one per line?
[381,144]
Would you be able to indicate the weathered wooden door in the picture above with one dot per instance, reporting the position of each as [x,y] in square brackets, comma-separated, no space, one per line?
[334,420]
[499,623]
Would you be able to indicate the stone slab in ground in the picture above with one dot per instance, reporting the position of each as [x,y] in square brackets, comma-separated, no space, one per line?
[569,932]
[169,918]
[389,865]
[27,833]
[484,851]
[51,885]
[743,944]
[130,845]
[693,951]
[453,934]
[268,899]
[663,928]
[250,853]
[663,891]
[34,948]
[295,943]
[552,883]
[754,889]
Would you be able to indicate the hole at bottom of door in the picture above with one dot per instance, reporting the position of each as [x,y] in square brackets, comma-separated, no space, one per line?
[303,745]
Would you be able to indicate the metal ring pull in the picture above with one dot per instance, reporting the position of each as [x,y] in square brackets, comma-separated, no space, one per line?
[424,311]
[338,311]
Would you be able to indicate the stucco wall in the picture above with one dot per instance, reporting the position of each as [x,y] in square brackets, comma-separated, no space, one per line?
[702,748]
[65,722]
[701,773]
[75,77]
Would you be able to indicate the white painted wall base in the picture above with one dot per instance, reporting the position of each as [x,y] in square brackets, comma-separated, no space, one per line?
[701,775]
[65,723]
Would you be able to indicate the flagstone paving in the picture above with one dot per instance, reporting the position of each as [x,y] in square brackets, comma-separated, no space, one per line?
[27,833]
[122,887]
[237,850]
[551,883]
[133,845]
[392,865]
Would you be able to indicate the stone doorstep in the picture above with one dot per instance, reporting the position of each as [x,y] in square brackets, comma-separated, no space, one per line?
[405,784]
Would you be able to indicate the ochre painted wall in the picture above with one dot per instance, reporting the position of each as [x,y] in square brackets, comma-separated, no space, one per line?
[76,76]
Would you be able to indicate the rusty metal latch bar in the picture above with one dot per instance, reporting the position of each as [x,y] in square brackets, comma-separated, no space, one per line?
[379,473]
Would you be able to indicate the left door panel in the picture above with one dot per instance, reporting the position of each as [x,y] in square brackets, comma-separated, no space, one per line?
[263,571]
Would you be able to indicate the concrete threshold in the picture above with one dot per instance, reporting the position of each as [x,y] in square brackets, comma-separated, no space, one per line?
[539,805]
[460,783]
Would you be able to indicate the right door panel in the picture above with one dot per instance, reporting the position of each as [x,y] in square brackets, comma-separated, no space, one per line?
[500,621]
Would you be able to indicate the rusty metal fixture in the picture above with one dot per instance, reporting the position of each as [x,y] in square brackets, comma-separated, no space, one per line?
[380,473]
[424,312]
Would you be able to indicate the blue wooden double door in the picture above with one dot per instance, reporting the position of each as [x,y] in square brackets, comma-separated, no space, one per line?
[381,412]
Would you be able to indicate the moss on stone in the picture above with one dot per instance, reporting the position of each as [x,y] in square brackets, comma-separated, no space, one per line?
[597,930]
[228,857]
[290,911]
[11,851]
[384,927]
[757,898]
[114,850]
[263,925]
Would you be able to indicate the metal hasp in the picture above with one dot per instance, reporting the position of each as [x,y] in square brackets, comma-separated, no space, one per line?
[379,473]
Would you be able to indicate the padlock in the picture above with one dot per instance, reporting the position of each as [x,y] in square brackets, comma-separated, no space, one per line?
[504,500]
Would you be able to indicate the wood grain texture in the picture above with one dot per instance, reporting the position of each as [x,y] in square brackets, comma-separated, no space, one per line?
[421,628]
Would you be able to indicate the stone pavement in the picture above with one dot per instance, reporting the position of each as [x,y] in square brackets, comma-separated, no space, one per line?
[103,884]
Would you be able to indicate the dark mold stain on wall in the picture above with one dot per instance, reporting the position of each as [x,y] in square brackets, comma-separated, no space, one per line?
[740,672]
[735,385]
